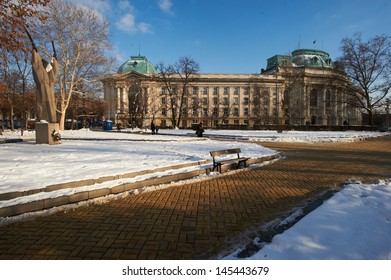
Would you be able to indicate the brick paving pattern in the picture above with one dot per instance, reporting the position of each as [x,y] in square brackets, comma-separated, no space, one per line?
[199,220]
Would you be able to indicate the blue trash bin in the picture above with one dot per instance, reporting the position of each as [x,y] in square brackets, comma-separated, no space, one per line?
[108,125]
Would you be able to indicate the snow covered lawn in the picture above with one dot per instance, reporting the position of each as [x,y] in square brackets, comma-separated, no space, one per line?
[355,224]
[26,165]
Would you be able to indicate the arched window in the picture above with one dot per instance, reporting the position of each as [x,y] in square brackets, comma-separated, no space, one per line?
[313,98]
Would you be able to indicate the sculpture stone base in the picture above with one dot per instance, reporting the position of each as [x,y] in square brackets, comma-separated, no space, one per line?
[44,133]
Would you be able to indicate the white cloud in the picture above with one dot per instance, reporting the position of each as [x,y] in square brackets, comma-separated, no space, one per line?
[165,6]
[125,5]
[101,7]
[145,27]
[127,23]
[127,19]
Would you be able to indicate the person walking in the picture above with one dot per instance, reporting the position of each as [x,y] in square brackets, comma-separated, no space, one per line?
[200,130]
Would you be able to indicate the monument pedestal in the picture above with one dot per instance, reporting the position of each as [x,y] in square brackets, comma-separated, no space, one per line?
[45,133]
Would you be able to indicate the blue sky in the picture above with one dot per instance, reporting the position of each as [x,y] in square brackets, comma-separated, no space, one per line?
[227,36]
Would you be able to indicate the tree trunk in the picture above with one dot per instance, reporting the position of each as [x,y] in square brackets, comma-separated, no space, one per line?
[370,117]
[11,116]
[1,122]
[62,121]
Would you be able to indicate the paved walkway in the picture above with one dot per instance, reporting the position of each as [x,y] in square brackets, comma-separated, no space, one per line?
[200,220]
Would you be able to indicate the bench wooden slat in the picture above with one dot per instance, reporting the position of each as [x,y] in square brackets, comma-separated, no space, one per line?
[224,152]
[219,163]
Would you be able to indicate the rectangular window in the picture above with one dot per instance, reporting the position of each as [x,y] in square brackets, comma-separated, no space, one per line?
[205,101]
[215,101]
[216,111]
[236,111]
[225,112]
[226,101]
[236,101]
[245,101]
[164,100]
[205,111]
[247,91]
[236,90]
[195,90]
[164,112]
[215,90]
[245,111]
[205,90]
[226,90]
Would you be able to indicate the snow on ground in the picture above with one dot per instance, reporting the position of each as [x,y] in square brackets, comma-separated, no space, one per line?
[26,165]
[355,224]
[285,136]
[251,135]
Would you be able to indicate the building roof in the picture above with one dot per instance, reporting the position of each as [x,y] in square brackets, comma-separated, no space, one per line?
[138,64]
[302,58]
[312,58]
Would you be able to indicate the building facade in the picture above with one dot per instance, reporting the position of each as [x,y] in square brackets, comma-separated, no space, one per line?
[298,90]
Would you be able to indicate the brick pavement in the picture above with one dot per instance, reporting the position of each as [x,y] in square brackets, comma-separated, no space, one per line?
[199,220]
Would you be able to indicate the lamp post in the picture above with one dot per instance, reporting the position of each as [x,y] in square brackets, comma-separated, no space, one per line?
[277,101]
[387,112]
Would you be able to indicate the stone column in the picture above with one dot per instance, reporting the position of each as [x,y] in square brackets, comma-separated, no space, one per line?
[306,105]
[322,109]
[111,102]
[125,99]
[118,99]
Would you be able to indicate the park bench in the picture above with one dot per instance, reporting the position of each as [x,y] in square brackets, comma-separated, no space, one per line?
[219,158]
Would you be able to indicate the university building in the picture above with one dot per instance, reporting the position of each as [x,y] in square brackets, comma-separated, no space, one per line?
[298,90]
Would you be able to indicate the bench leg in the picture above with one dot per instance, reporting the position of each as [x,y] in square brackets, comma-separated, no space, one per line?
[244,163]
[218,167]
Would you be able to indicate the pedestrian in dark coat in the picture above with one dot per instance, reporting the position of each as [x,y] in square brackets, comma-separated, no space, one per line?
[153,127]
[200,130]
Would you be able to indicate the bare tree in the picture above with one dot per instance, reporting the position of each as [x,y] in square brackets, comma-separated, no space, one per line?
[176,79]
[81,37]
[14,17]
[26,86]
[368,65]
[15,75]
[292,104]
[259,104]
[169,90]
[187,69]
[137,106]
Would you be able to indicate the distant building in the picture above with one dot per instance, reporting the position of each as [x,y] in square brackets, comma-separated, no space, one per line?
[298,90]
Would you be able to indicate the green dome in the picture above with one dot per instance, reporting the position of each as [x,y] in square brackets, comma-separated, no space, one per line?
[138,64]
[311,58]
